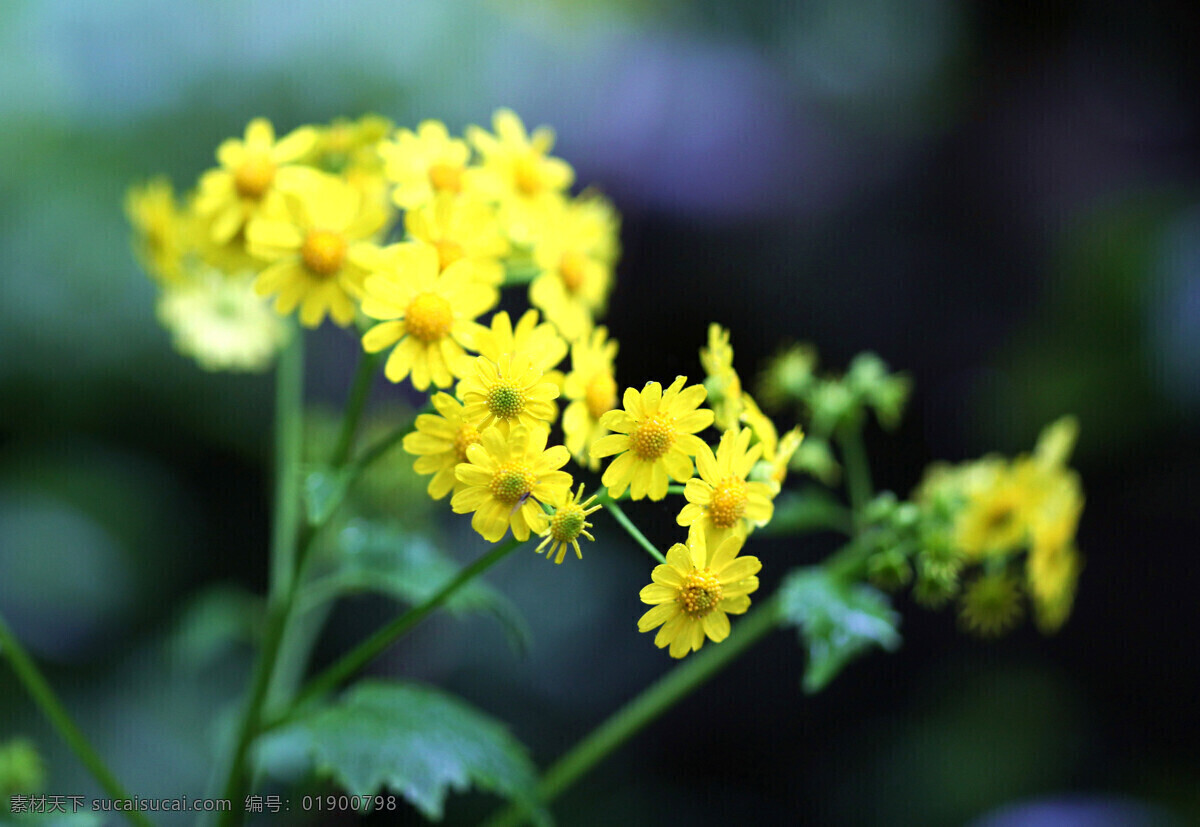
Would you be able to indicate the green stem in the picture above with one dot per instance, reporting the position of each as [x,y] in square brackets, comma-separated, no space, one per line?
[37,687]
[858,471]
[365,652]
[627,524]
[647,706]
[360,389]
[676,489]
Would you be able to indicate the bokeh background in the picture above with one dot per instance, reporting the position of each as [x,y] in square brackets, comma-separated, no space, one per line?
[1002,199]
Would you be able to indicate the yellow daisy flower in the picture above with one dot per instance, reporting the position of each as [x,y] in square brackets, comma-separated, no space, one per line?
[575,278]
[724,385]
[693,595]
[506,479]
[424,164]
[721,502]
[655,438]
[320,247]
[161,230]
[567,523]
[592,388]
[428,314]
[517,172]
[508,392]
[461,229]
[251,170]
[540,342]
[995,518]
[440,443]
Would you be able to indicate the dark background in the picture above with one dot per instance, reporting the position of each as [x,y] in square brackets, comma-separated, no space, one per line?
[1001,199]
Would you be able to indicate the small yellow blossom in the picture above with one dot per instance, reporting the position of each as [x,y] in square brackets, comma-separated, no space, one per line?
[161,230]
[724,385]
[319,248]
[424,164]
[507,392]
[251,170]
[1053,565]
[788,444]
[461,229]
[591,387]
[995,519]
[693,594]
[991,605]
[721,502]
[506,478]
[576,277]
[440,443]
[566,524]
[655,438]
[427,313]
[540,343]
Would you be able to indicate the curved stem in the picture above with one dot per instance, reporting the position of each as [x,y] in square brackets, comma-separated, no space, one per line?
[611,505]
[37,687]
[858,471]
[360,389]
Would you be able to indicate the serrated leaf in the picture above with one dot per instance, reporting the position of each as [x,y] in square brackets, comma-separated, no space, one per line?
[415,740]
[324,490]
[837,621]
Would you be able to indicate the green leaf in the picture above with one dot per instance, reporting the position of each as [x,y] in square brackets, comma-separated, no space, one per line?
[838,621]
[324,490]
[212,622]
[415,740]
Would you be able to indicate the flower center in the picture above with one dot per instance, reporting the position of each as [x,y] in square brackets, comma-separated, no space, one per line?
[428,317]
[505,400]
[445,177]
[567,523]
[511,482]
[448,253]
[323,252]
[601,394]
[253,178]
[526,175]
[700,593]
[728,502]
[652,436]
[466,436]
[572,268]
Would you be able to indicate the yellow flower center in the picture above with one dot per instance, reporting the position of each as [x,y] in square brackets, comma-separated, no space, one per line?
[572,268]
[653,436]
[505,400]
[445,177]
[700,593]
[728,502]
[323,252]
[601,394]
[526,175]
[466,436]
[253,178]
[512,481]
[567,523]
[448,253]
[428,317]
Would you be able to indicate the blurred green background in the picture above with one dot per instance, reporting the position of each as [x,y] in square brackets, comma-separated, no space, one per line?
[1002,199]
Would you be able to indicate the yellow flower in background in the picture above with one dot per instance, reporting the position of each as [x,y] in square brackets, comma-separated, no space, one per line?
[576,275]
[461,229]
[655,439]
[506,479]
[220,321]
[778,462]
[539,342]
[995,519]
[350,148]
[567,523]
[440,443]
[721,502]
[517,171]
[1053,565]
[724,385]
[991,605]
[319,243]
[693,594]
[251,170]
[162,232]
[591,387]
[429,315]
[424,164]
[508,392]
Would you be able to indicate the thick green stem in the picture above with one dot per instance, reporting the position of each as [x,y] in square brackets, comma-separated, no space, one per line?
[365,652]
[647,706]
[360,389]
[858,471]
[37,687]
[627,524]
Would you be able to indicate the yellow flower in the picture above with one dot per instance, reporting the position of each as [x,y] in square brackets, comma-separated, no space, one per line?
[429,315]
[592,388]
[161,230]
[461,229]
[995,519]
[320,247]
[567,523]
[350,148]
[508,392]
[991,605]
[692,594]
[424,163]
[1053,565]
[788,444]
[507,478]
[219,321]
[517,172]
[721,502]
[539,342]
[724,385]
[440,443]
[655,438]
[251,170]
[576,277]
